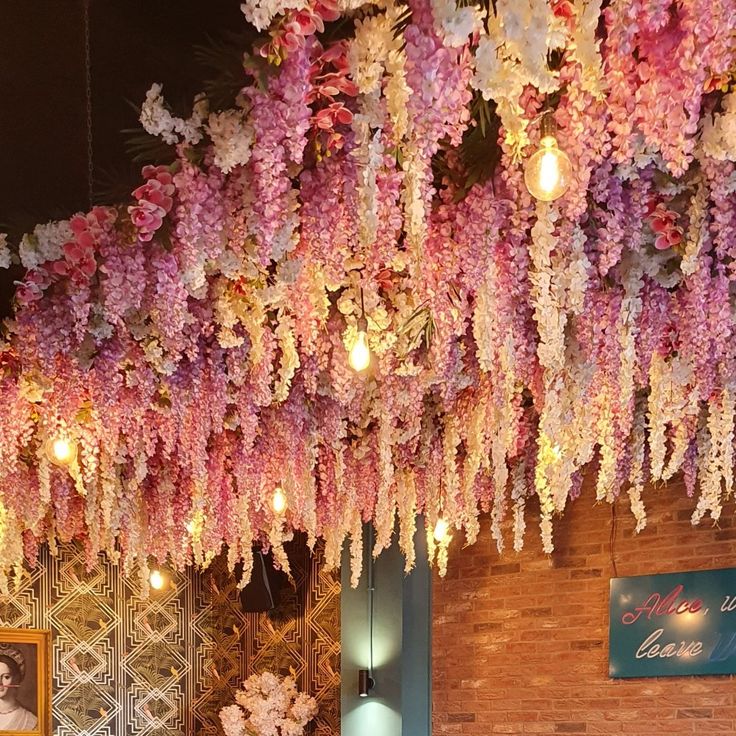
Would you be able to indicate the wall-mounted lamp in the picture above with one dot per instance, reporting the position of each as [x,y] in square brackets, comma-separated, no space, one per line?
[365,683]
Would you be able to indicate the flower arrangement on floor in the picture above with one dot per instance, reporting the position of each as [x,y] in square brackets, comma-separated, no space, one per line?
[189,348]
[268,705]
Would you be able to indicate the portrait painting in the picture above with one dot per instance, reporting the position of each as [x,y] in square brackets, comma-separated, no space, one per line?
[25,682]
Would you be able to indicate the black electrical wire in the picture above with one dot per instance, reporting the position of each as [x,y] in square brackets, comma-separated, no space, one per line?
[371,589]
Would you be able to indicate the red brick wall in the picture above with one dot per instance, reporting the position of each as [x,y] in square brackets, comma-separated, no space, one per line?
[520,642]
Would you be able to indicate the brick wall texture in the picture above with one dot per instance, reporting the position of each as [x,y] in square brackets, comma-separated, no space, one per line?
[520,641]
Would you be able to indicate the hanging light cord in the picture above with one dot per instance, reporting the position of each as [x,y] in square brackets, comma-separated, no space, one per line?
[88,100]
[371,589]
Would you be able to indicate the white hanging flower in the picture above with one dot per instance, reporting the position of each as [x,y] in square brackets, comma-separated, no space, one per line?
[494,77]
[586,47]
[260,13]
[697,231]
[157,119]
[268,705]
[369,155]
[191,128]
[715,461]
[44,243]
[369,50]
[636,475]
[550,318]
[456,24]
[289,356]
[5,257]
[671,399]
[407,503]
[232,138]
[514,55]
[375,53]
[518,496]
[347,6]
[719,131]
[525,27]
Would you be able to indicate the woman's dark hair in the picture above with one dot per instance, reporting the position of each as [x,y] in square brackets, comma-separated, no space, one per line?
[15,672]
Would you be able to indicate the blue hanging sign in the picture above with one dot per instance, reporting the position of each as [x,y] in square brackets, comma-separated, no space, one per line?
[669,625]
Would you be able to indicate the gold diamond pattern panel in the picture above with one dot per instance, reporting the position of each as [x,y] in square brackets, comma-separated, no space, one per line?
[303,634]
[167,664]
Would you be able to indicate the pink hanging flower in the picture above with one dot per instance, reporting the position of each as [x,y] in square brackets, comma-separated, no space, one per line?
[292,32]
[155,201]
[32,288]
[663,224]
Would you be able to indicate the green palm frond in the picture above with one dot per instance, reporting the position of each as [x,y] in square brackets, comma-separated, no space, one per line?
[145,148]
[402,22]
[419,327]
[226,66]
[479,151]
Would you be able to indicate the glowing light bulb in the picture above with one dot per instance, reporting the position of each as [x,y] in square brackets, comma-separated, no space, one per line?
[61,450]
[360,353]
[156,579]
[548,171]
[441,529]
[278,502]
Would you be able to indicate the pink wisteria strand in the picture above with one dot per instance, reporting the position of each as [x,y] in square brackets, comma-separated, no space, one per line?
[192,342]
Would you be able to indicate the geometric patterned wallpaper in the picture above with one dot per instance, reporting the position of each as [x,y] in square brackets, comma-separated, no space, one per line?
[303,634]
[164,666]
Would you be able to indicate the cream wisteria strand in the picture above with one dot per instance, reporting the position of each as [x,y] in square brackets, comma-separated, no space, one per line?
[157,119]
[192,341]
[518,495]
[636,475]
[697,232]
[719,131]
[717,449]
[260,13]
[549,314]
[513,54]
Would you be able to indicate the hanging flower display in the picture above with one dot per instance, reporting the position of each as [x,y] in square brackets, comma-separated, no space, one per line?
[268,705]
[367,188]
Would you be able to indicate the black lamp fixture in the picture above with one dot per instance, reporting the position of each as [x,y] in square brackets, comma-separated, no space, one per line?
[365,683]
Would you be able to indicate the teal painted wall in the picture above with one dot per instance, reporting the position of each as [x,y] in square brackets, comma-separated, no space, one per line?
[416,651]
[399,704]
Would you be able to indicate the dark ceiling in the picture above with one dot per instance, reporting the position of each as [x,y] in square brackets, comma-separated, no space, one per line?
[43,148]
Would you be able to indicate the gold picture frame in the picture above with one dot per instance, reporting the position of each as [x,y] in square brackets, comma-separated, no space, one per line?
[25,677]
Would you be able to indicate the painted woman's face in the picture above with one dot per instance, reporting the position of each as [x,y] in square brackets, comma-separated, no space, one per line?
[6,680]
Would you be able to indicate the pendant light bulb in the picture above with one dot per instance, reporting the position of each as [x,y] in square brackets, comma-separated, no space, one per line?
[156,579]
[61,450]
[548,171]
[360,354]
[441,530]
[278,502]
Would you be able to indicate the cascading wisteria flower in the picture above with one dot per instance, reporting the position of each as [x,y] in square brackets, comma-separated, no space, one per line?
[192,341]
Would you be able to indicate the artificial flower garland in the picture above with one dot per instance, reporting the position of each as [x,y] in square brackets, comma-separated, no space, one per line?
[268,705]
[192,343]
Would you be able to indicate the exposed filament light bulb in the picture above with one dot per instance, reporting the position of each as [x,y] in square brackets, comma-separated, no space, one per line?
[156,579]
[278,502]
[441,530]
[360,353]
[547,172]
[61,450]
